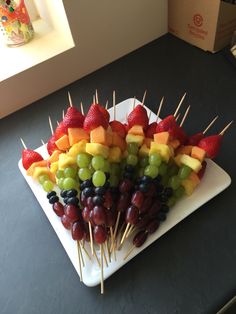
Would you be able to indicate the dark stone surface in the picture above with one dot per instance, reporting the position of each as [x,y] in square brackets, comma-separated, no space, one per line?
[191,269]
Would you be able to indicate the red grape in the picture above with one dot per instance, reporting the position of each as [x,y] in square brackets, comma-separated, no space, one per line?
[131,215]
[147,203]
[154,209]
[90,202]
[91,218]
[151,190]
[111,218]
[152,226]
[72,212]
[66,222]
[100,234]
[125,186]
[77,230]
[85,213]
[140,238]
[99,215]
[142,222]
[137,199]
[108,199]
[83,199]
[123,202]
[58,209]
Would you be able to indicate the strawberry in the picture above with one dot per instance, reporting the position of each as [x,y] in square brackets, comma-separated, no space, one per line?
[126,127]
[178,133]
[29,156]
[118,127]
[195,139]
[73,118]
[138,116]
[211,145]
[104,112]
[151,130]
[51,146]
[94,118]
[202,170]
[166,124]
[60,130]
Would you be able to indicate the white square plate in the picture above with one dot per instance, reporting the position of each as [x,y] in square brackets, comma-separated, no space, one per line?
[214,181]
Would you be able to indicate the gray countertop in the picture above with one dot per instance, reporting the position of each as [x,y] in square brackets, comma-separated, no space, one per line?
[191,269]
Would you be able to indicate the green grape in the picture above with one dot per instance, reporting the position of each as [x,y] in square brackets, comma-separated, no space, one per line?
[123,164]
[91,168]
[140,172]
[83,160]
[84,174]
[70,172]
[60,183]
[184,172]
[155,160]
[163,169]
[165,179]
[178,193]
[60,174]
[98,162]
[114,181]
[99,178]
[151,171]
[132,160]
[48,186]
[69,183]
[132,148]
[174,182]
[144,162]
[106,167]
[43,178]
[115,169]
[173,170]
[171,201]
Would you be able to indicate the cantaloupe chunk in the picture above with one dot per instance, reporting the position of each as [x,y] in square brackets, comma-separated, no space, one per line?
[38,171]
[161,149]
[117,140]
[65,161]
[98,135]
[177,160]
[95,149]
[136,130]
[162,137]
[138,139]
[76,135]
[109,136]
[185,150]
[115,154]
[194,177]
[125,154]
[55,156]
[189,186]
[174,143]
[78,148]
[191,162]
[63,143]
[143,151]
[198,153]
[41,163]
[148,141]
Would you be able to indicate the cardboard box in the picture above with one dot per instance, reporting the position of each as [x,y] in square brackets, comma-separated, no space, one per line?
[207,24]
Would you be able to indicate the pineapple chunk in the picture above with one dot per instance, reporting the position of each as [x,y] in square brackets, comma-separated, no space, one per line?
[144,151]
[189,186]
[78,148]
[161,149]
[191,162]
[55,156]
[95,149]
[114,154]
[38,171]
[66,161]
[54,167]
[138,139]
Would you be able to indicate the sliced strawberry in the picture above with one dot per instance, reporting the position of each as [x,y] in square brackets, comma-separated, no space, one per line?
[60,130]
[195,139]
[151,130]
[178,133]
[73,118]
[211,145]
[51,146]
[104,112]
[94,119]
[202,170]
[138,116]
[166,124]
[29,157]
[118,127]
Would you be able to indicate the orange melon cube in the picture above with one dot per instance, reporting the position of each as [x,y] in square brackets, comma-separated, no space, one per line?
[148,141]
[136,130]
[63,143]
[41,163]
[98,135]
[109,138]
[185,150]
[55,156]
[162,137]
[76,135]
[174,143]
[117,140]
[194,178]
[198,153]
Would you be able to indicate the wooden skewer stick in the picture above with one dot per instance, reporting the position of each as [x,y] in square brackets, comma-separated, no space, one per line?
[185,116]
[80,266]
[179,105]
[129,252]
[70,101]
[81,255]
[93,99]
[149,116]
[134,102]
[95,254]
[105,258]
[159,108]
[57,123]
[50,124]
[82,108]
[226,128]
[91,238]
[101,262]
[130,231]
[63,114]
[23,143]
[106,105]
[108,252]
[114,105]
[85,251]
[96,96]
[210,124]
[144,97]
[115,231]
[124,234]
[177,118]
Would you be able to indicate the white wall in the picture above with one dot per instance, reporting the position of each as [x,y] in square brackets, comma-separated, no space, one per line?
[103,31]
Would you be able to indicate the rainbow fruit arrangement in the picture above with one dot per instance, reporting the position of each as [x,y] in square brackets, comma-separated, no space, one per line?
[116,179]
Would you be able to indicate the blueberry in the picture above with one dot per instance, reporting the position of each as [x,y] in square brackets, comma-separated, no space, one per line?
[168,191]
[161,216]
[100,190]
[52,193]
[86,184]
[66,199]
[73,200]
[157,180]
[88,192]
[98,200]
[63,193]
[71,193]
[159,189]
[106,185]
[129,168]
[107,175]
[143,187]
[146,179]
[53,199]
[128,175]
[163,198]
[164,208]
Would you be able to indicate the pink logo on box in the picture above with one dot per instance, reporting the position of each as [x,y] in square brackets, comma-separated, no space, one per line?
[198,20]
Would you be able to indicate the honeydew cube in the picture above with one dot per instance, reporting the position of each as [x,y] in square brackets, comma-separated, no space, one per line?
[136,130]
[115,154]
[63,143]
[198,153]
[66,161]
[162,137]
[143,151]
[78,148]
[76,135]
[95,149]
[191,162]
[162,149]
[138,139]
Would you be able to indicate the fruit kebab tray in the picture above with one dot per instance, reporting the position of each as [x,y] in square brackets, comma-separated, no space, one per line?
[161,177]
